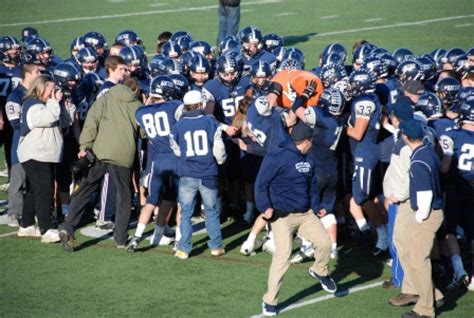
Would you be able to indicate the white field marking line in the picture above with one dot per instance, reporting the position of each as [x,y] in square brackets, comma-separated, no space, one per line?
[373,20]
[133,14]
[326,297]
[329,17]
[401,24]
[246,10]
[284,14]
[463,25]
[158,4]
[9,234]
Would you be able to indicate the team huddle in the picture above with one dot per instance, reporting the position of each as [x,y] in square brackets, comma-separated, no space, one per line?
[252,134]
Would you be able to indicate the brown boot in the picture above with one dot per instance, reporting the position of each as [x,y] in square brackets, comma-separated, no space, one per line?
[403,300]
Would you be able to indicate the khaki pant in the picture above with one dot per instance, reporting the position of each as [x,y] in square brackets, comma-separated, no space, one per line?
[308,226]
[414,242]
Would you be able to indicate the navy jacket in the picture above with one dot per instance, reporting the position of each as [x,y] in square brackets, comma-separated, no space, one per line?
[286,182]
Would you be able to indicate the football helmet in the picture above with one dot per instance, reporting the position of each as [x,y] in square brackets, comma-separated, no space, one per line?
[290,64]
[41,49]
[332,74]
[10,47]
[336,48]
[430,105]
[128,38]
[447,89]
[87,58]
[280,53]
[402,54]
[332,59]
[375,65]
[201,47]
[95,40]
[260,73]
[162,86]
[76,44]
[28,33]
[227,45]
[184,42]
[452,55]
[228,69]
[463,66]
[361,82]
[180,34]
[466,111]
[272,41]
[361,53]
[333,100]
[389,62]
[91,82]
[251,40]
[66,76]
[436,54]
[408,70]
[181,85]
[135,59]
[427,66]
[171,50]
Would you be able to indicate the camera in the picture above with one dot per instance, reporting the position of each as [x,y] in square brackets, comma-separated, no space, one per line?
[84,163]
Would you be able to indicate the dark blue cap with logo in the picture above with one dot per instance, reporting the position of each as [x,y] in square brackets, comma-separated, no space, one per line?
[412,129]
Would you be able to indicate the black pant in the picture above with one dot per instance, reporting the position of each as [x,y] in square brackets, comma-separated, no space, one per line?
[121,176]
[39,194]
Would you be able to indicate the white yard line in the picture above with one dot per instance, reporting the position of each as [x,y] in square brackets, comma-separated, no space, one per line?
[153,5]
[373,20]
[329,17]
[397,25]
[341,293]
[133,14]
[463,25]
[284,14]
[8,234]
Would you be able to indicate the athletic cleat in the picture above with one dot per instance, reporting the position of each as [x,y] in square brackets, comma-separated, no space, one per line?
[181,255]
[133,245]
[458,282]
[269,310]
[216,252]
[67,241]
[247,248]
[300,257]
[327,283]
[51,236]
[471,285]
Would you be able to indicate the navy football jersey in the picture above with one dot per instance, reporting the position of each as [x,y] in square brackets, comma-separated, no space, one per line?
[5,89]
[459,143]
[441,125]
[157,121]
[268,131]
[14,73]
[326,134]
[225,97]
[105,87]
[194,134]
[367,107]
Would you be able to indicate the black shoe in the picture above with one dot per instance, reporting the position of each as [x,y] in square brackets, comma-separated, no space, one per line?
[327,282]
[67,241]
[378,251]
[413,314]
[364,240]
[133,245]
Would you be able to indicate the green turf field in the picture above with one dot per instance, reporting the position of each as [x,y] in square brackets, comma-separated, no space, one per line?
[38,280]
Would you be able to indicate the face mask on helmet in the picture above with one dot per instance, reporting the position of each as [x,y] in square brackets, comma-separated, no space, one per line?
[333,100]
[227,69]
[11,49]
[251,39]
[199,70]
[361,82]
[447,89]
[261,73]
[430,105]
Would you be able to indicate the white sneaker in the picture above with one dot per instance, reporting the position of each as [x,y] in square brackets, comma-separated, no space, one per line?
[51,236]
[471,285]
[30,231]
[12,221]
[166,240]
[247,248]
[4,173]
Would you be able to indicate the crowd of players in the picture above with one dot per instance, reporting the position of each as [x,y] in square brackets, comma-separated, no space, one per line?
[355,124]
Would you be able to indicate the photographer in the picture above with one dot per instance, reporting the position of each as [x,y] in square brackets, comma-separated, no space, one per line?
[109,134]
[39,149]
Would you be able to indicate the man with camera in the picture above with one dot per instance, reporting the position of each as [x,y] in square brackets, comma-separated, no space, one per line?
[107,144]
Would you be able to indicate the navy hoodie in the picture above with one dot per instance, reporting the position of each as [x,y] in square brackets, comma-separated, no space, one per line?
[286,182]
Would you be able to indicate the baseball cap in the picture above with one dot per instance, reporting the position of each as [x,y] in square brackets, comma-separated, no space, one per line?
[412,128]
[413,87]
[192,97]
[402,110]
[301,131]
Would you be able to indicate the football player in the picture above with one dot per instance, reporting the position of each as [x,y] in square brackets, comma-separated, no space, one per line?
[251,40]
[363,129]
[157,119]
[458,163]
[97,41]
[199,72]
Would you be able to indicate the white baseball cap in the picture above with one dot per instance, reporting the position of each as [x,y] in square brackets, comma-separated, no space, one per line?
[192,97]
